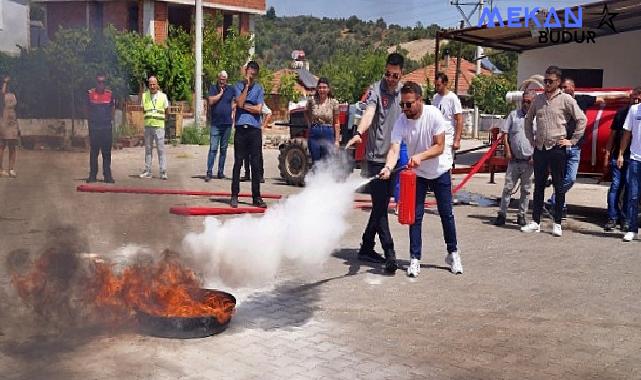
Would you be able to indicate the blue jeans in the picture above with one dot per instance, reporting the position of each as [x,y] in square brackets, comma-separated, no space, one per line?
[219,136]
[402,161]
[321,141]
[573,158]
[632,184]
[442,187]
[616,188]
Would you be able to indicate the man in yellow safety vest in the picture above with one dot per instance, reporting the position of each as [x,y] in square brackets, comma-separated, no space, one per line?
[154,104]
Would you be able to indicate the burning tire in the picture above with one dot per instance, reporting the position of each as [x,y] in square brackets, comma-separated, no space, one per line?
[294,161]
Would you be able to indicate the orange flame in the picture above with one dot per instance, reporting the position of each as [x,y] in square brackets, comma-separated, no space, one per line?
[166,288]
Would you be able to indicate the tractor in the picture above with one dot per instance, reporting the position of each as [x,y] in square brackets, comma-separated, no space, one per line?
[295,160]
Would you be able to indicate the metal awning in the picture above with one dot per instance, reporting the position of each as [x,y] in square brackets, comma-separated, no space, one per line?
[628,18]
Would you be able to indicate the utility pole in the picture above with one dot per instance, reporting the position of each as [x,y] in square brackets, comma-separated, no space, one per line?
[479,53]
[199,63]
[478,5]
[458,62]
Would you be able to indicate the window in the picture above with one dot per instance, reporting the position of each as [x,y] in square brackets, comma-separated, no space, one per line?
[132,19]
[585,78]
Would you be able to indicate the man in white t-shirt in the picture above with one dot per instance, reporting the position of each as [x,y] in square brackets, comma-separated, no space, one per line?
[450,105]
[423,129]
[632,131]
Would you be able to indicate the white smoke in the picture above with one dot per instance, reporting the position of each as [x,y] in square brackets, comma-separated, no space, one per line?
[305,228]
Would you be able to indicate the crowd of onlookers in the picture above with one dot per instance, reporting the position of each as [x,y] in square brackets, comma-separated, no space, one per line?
[542,138]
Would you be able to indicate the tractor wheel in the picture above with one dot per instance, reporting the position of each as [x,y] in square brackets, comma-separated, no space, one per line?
[294,161]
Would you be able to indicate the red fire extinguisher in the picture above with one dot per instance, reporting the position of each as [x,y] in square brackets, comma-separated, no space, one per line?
[407,201]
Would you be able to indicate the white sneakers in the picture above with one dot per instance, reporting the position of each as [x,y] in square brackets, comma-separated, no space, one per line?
[454,261]
[629,236]
[147,174]
[535,227]
[414,268]
[531,227]
[8,173]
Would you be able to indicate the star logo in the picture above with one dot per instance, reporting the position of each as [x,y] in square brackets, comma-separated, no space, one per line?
[607,19]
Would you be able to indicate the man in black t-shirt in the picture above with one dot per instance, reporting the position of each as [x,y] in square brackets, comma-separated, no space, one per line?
[616,213]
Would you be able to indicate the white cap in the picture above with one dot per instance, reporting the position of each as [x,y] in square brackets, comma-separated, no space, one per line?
[222,74]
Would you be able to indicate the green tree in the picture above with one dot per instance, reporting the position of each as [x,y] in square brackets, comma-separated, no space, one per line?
[351,74]
[65,57]
[271,13]
[287,89]
[489,92]
[428,59]
[229,54]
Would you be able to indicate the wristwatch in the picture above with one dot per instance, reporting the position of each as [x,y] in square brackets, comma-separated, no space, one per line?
[359,134]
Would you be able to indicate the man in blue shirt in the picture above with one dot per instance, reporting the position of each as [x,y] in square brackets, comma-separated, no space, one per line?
[221,105]
[247,139]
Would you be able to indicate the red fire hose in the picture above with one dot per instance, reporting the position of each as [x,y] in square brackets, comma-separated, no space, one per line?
[201,211]
[138,190]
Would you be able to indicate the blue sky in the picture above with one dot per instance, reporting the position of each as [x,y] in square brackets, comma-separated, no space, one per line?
[405,12]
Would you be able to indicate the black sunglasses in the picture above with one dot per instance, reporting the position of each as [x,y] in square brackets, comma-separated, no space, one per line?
[405,104]
[548,81]
[393,75]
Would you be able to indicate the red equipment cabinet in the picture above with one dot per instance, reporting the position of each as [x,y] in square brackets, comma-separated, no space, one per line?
[600,117]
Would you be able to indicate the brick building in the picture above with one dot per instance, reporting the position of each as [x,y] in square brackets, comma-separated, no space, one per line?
[148,17]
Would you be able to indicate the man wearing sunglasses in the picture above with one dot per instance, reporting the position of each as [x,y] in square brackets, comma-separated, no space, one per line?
[423,129]
[378,120]
[553,110]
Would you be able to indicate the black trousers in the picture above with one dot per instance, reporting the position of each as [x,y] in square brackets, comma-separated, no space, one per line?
[549,161]
[100,142]
[381,192]
[262,168]
[247,146]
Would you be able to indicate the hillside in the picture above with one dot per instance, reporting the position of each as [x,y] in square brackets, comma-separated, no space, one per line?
[416,49]
[321,38]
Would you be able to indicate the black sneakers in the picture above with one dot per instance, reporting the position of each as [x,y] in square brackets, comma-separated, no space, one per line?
[258,202]
[500,219]
[369,255]
[234,202]
[610,225]
[520,220]
[390,263]
[110,180]
[91,180]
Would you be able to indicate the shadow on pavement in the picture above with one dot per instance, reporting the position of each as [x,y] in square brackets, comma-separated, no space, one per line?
[287,305]
[350,257]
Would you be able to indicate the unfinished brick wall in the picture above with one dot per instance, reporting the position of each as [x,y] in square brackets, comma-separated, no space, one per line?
[116,13]
[244,23]
[251,4]
[160,22]
[67,14]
